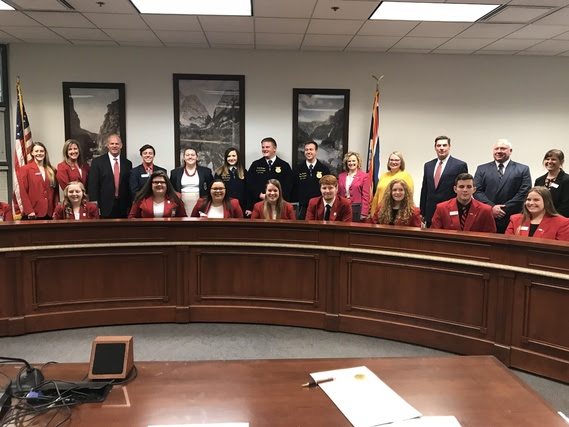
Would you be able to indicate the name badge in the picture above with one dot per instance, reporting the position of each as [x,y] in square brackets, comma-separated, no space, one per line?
[144,175]
[524,228]
[38,173]
[453,213]
[202,215]
[554,185]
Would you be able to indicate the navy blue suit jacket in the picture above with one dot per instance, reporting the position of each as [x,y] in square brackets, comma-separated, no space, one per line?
[137,180]
[431,196]
[510,190]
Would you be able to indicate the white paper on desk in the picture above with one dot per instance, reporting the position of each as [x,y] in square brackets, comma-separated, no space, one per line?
[363,398]
[428,422]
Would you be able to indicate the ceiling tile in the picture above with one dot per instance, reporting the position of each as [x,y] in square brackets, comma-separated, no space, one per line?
[114,6]
[237,24]
[452,52]
[7,38]
[46,41]
[465,44]
[555,3]
[228,38]
[511,44]
[233,46]
[330,26]
[94,42]
[117,21]
[196,37]
[267,39]
[420,43]
[192,45]
[13,18]
[394,50]
[131,35]
[561,17]
[564,36]
[317,40]
[284,9]
[489,31]
[27,33]
[533,53]
[365,49]
[347,9]
[519,14]
[61,19]
[373,42]
[281,25]
[172,22]
[534,31]
[263,47]
[495,52]
[553,46]
[141,44]
[438,29]
[387,28]
[322,48]
[39,5]
[81,33]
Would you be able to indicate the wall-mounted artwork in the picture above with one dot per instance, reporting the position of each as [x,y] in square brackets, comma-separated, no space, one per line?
[209,116]
[321,115]
[92,112]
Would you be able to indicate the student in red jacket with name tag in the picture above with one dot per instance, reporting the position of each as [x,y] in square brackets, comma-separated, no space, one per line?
[397,206]
[274,205]
[329,206]
[5,212]
[157,199]
[218,204]
[75,204]
[539,218]
[464,213]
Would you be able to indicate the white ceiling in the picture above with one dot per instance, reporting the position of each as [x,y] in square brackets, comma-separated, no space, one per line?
[522,27]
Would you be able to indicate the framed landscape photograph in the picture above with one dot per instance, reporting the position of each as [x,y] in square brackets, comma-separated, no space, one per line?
[321,115]
[92,112]
[209,116]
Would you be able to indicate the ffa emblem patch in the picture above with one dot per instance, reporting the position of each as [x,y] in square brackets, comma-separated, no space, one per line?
[278,169]
[318,174]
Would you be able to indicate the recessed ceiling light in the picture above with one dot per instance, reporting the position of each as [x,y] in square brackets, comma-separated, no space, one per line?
[195,7]
[4,6]
[403,11]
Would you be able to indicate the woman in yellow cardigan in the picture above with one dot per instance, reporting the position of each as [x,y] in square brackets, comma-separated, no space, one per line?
[395,170]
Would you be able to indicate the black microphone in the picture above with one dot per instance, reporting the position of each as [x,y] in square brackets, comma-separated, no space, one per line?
[27,379]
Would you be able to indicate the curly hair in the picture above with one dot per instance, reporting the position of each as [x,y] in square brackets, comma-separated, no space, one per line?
[350,154]
[406,209]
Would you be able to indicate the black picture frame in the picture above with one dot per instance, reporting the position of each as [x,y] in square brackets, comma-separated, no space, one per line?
[93,112]
[321,115]
[209,116]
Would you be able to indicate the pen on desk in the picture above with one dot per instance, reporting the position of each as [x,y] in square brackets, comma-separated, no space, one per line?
[315,383]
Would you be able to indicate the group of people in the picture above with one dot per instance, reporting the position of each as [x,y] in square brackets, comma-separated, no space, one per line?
[498,198]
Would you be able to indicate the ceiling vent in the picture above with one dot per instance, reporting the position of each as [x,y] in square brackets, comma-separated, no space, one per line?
[517,14]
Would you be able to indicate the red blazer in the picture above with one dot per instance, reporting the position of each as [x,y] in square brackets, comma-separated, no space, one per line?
[287,213]
[341,209]
[550,227]
[414,221]
[235,211]
[144,208]
[480,217]
[67,174]
[359,190]
[37,194]
[89,211]
[6,212]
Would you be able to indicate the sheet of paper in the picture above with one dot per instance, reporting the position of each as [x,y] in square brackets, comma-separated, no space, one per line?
[363,398]
[428,422]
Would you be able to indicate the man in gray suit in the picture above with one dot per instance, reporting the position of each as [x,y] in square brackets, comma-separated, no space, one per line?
[502,184]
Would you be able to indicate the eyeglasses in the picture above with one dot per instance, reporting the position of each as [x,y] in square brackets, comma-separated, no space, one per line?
[158,183]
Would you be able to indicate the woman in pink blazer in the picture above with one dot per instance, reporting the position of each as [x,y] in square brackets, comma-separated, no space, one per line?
[397,207]
[157,199]
[354,183]
[73,167]
[217,204]
[75,204]
[539,218]
[274,206]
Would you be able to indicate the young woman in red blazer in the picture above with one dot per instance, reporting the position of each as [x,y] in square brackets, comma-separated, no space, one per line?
[274,206]
[38,185]
[539,218]
[73,168]
[157,199]
[397,207]
[5,212]
[75,204]
[217,204]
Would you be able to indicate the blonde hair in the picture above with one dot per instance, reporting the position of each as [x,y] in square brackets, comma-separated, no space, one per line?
[398,154]
[66,156]
[46,164]
[67,205]
[350,154]
[406,210]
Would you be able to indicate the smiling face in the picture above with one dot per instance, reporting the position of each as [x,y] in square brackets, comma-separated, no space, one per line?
[329,192]
[502,152]
[310,152]
[397,192]
[268,149]
[232,158]
[217,192]
[442,148]
[38,153]
[552,164]
[147,156]
[464,190]
[352,163]
[73,152]
[159,186]
[272,193]
[74,193]
[394,163]
[534,204]
[190,157]
[114,145]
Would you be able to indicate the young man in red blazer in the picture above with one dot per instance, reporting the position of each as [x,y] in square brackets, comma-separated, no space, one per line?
[464,213]
[330,206]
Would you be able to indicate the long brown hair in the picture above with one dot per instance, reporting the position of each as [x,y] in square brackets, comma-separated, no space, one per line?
[66,156]
[67,205]
[223,170]
[406,210]
[46,164]
[146,190]
[547,205]
[279,205]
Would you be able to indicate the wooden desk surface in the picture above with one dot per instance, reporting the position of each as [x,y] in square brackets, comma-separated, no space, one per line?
[477,390]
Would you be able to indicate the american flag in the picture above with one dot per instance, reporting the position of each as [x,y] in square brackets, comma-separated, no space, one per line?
[373,151]
[22,150]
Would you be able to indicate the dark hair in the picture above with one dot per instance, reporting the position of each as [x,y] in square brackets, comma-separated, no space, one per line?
[555,153]
[463,177]
[208,199]
[269,139]
[146,190]
[223,170]
[279,204]
[146,147]
[438,138]
[313,143]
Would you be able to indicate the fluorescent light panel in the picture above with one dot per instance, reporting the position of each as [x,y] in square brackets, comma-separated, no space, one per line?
[4,6]
[403,11]
[195,7]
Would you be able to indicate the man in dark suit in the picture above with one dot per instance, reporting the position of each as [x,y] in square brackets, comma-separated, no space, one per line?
[464,212]
[502,184]
[438,178]
[108,181]
[139,175]
[267,167]
[306,177]
[329,206]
